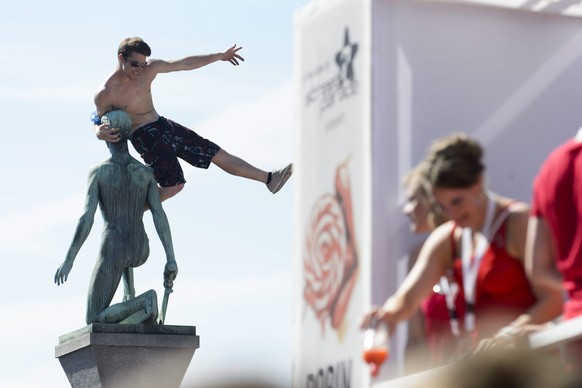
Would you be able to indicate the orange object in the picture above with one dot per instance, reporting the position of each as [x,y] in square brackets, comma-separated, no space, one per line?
[375,357]
[374,370]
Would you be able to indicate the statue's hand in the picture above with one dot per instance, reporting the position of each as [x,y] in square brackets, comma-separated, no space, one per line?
[63,273]
[129,296]
[170,273]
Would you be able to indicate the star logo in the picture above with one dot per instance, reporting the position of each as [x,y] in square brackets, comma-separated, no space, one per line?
[345,58]
[328,85]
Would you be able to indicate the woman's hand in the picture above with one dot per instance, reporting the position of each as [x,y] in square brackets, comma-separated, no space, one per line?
[379,315]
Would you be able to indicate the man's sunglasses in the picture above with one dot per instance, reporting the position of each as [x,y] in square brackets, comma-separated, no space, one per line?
[137,64]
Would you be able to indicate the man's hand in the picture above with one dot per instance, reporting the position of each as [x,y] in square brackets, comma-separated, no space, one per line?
[104,132]
[232,56]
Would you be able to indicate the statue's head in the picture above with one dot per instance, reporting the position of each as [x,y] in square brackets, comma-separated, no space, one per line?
[118,119]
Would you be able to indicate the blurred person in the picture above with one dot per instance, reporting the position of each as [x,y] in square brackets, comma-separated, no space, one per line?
[554,240]
[158,140]
[431,330]
[502,368]
[484,243]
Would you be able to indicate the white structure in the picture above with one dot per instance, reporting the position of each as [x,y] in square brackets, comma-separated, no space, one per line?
[376,82]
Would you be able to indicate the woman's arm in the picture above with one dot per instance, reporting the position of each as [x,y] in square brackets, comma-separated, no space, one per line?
[433,260]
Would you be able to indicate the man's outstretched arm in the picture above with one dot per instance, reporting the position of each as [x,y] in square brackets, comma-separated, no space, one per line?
[196,61]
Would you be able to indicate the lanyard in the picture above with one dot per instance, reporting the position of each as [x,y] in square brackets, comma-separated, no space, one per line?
[450,290]
[472,259]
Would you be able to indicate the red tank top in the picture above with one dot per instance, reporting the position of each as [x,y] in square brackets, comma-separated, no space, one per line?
[503,291]
[437,324]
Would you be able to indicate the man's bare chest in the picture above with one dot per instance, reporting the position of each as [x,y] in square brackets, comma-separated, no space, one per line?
[129,94]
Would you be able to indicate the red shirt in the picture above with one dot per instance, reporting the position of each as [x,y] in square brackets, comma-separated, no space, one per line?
[557,198]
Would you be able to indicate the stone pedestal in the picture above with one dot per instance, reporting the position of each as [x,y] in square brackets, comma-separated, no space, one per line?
[126,356]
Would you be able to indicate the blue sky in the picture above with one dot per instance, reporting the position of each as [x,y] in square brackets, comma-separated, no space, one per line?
[232,238]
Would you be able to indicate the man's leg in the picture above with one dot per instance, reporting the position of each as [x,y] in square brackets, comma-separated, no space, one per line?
[169,192]
[166,193]
[236,166]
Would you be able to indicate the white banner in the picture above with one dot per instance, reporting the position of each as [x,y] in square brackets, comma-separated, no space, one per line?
[332,197]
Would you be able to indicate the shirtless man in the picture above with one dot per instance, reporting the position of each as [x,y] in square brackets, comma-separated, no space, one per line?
[122,186]
[160,141]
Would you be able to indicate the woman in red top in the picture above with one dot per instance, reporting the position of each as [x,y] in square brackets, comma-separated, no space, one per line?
[488,263]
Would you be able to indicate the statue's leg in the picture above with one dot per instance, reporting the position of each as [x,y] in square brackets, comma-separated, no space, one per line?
[142,309]
[104,283]
[148,312]
[128,284]
[138,254]
[106,274]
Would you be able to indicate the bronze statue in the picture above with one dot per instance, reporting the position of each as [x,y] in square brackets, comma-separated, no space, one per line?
[123,187]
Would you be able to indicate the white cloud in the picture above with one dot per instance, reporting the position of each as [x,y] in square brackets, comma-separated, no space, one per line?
[30,230]
[246,290]
[48,93]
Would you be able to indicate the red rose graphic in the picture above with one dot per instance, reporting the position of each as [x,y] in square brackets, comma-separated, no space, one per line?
[330,256]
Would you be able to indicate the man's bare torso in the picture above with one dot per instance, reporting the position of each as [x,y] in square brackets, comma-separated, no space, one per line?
[131,95]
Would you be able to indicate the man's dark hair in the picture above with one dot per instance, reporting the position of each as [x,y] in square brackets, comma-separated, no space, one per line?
[131,45]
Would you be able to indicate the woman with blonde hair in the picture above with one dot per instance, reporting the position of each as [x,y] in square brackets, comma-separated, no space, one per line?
[433,329]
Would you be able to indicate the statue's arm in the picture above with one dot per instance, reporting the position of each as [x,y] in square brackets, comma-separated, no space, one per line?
[163,229]
[83,228]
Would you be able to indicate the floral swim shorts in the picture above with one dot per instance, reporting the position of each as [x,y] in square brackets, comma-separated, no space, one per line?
[162,142]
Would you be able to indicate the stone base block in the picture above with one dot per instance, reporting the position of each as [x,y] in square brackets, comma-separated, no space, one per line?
[127,356]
